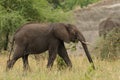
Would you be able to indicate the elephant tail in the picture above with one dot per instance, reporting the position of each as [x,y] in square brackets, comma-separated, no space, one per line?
[12,44]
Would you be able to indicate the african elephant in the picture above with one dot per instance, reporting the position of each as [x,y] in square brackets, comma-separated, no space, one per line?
[34,38]
[108,24]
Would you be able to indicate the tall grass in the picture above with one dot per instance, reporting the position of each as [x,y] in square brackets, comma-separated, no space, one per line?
[80,71]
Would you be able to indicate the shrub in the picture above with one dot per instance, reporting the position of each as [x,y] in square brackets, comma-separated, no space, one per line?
[109,48]
[48,14]
[24,7]
[8,24]
[60,63]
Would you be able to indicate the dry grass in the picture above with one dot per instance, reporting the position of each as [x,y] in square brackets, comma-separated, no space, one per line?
[81,70]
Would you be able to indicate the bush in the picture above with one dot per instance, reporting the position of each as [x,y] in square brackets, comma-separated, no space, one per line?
[10,21]
[8,24]
[24,7]
[49,14]
[109,48]
[60,63]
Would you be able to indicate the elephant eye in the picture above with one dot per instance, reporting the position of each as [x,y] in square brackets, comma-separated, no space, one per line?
[73,32]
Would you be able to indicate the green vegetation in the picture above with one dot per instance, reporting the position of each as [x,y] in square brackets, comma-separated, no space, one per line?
[8,24]
[109,48]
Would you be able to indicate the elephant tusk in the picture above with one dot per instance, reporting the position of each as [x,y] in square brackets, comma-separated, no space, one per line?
[87,43]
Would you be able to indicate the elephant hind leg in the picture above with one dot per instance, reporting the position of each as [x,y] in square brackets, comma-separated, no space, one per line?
[52,53]
[10,64]
[52,56]
[19,52]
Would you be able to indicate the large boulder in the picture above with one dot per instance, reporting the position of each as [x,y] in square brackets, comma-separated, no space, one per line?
[108,24]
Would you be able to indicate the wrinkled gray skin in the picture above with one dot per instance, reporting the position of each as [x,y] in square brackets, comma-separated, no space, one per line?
[35,38]
[107,25]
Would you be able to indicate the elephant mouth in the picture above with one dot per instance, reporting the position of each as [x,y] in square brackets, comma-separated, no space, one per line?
[75,40]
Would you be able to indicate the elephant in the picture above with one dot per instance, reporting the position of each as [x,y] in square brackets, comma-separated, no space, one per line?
[108,24]
[35,38]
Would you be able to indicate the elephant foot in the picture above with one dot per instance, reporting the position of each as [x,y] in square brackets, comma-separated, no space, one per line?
[27,69]
[8,67]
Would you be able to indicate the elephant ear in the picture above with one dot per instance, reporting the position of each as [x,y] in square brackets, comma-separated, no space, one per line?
[61,32]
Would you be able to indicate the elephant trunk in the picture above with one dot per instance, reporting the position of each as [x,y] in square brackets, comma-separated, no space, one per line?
[83,42]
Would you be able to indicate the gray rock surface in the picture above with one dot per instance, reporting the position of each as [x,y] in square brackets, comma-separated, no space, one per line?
[89,18]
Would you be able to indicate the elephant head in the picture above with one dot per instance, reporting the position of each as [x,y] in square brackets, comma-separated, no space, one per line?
[70,33]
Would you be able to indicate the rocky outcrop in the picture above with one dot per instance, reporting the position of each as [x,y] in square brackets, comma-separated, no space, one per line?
[108,24]
[89,18]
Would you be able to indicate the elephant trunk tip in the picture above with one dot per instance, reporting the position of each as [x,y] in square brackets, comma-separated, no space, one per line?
[93,66]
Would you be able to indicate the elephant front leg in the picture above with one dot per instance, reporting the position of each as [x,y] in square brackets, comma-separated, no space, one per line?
[51,59]
[52,53]
[63,54]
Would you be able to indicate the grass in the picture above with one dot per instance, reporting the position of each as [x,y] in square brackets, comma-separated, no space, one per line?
[81,70]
